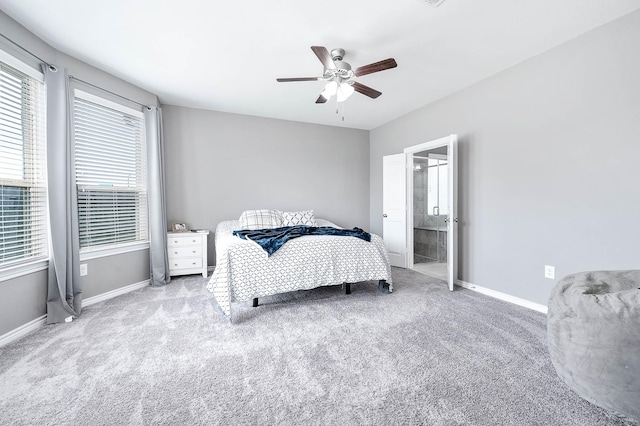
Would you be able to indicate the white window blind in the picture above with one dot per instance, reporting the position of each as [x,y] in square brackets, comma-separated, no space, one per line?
[23,214]
[110,159]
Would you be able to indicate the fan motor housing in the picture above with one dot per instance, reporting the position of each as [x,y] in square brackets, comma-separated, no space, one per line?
[341,65]
[337,54]
[343,69]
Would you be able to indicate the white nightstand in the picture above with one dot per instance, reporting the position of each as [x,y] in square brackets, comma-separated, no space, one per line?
[187,252]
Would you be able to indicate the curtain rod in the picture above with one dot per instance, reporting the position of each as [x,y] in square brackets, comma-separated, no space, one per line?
[53,68]
[108,91]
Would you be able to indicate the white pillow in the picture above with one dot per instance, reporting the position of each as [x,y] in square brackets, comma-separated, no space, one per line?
[260,219]
[298,218]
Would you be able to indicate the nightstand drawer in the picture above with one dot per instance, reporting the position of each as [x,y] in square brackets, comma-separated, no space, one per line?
[179,251]
[185,263]
[173,241]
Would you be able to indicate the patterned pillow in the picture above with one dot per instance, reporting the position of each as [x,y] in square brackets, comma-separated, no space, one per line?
[298,218]
[260,219]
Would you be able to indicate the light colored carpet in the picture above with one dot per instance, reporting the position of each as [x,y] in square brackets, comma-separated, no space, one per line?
[421,355]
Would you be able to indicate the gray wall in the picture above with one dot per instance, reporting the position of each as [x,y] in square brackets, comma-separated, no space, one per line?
[219,164]
[24,299]
[103,277]
[548,159]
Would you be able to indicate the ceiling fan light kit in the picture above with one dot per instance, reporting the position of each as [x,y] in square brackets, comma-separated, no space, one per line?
[341,77]
[329,90]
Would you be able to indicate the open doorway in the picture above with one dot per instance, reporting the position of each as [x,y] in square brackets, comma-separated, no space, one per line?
[398,205]
[432,215]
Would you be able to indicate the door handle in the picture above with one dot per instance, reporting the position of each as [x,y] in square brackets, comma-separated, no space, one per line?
[384,215]
[436,211]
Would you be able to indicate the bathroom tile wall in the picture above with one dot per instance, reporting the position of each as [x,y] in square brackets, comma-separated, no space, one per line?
[429,245]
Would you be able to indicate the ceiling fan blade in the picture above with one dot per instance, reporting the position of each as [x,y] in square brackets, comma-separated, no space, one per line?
[284,80]
[366,90]
[375,67]
[323,54]
[321,99]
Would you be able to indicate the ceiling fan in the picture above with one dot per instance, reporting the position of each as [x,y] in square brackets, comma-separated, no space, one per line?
[340,76]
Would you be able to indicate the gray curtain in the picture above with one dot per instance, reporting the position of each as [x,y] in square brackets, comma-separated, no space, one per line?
[155,192]
[64,294]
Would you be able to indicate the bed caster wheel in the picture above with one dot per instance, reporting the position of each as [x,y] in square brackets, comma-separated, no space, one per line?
[383,287]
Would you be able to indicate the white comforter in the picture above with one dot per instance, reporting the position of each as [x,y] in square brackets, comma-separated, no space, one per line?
[244,271]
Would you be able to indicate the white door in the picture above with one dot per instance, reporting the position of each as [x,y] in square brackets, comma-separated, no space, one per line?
[452,236]
[394,208]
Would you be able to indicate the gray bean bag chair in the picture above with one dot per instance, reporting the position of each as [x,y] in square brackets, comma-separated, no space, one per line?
[593,330]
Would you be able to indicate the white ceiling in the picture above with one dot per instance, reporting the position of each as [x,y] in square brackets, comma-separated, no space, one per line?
[226,55]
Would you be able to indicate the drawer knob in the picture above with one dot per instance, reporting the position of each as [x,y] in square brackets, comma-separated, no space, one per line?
[194,251]
[175,252]
[175,264]
[193,263]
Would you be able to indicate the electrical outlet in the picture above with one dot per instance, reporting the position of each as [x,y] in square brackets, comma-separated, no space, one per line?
[550,272]
[84,270]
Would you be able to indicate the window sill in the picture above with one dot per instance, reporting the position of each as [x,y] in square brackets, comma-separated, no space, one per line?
[96,253]
[17,271]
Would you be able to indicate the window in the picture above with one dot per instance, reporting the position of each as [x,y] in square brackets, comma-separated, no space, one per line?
[110,158]
[23,214]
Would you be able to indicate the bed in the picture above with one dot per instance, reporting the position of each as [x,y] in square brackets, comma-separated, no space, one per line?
[245,272]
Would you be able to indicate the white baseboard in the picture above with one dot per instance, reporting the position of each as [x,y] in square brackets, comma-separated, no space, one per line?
[27,328]
[503,296]
[113,293]
[23,330]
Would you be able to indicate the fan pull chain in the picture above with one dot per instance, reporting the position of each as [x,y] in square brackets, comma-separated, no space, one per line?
[338,108]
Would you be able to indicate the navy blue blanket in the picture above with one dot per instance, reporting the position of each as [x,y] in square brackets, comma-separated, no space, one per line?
[272,239]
